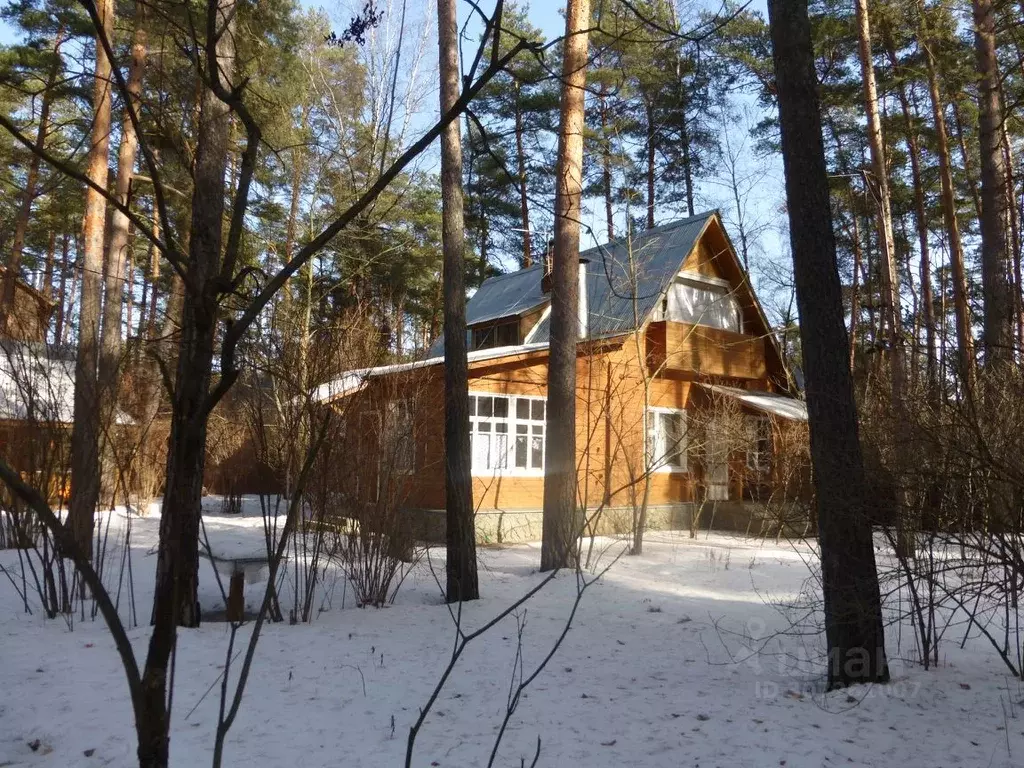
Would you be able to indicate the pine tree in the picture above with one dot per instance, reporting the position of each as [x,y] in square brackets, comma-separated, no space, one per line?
[853,617]
[560,527]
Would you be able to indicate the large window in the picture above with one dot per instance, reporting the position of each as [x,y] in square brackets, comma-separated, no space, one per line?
[507,434]
[666,440]
[688,301]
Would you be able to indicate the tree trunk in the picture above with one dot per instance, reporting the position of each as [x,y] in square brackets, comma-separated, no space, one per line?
[175,598]
[58,325]
[684,140]
[154,280]
[606,165]
[887,247]
[965,156]
[961,309]
[117,248]
[854,286]
[561,525]
[1015,235]
[46,281]
[460,531]
[853,618]
[997,329]
[649,156]
[85,458]
[920,219]
[524,200]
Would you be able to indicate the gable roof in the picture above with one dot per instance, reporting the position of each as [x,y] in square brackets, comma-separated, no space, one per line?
[657,255]
[615,280]
[507,295]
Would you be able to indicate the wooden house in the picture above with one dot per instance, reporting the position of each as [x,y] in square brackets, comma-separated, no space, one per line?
[684,402]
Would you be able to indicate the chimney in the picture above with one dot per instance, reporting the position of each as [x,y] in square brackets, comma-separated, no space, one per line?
[581,305]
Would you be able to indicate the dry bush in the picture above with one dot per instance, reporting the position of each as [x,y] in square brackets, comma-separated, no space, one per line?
[369,532]
[950,500]
[282,404]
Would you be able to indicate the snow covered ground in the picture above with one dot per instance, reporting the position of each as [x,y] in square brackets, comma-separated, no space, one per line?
[673,659]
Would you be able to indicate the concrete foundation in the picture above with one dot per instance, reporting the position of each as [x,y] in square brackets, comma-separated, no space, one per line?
[517,526]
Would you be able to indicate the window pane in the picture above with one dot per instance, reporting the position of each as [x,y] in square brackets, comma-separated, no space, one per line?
[501,407]
[485,406]
[502,427]
[522,429]
[521,451]
[481,444]
[483,426]
[522,408]
[537,453]
[506,334]
[538,409]
[472,405]
[538,429]
[499,457]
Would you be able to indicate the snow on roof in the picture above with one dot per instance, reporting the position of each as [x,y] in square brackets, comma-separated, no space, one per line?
[351,382]
[768,402]
[38,385]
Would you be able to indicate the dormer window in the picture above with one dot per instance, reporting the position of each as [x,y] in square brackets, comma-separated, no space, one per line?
[504,333]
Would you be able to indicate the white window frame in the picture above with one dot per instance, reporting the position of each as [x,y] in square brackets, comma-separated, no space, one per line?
[656,440]
[513,427]
[703,301]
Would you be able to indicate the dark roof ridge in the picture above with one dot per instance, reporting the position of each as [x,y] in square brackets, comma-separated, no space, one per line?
[502,275]
[661,228]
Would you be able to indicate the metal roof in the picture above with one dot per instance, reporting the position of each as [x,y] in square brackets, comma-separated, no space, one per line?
[625,280]
[767,402]
[507,295]
[351,382]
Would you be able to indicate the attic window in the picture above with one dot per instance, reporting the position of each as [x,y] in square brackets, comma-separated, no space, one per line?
[704,303]
[502,334]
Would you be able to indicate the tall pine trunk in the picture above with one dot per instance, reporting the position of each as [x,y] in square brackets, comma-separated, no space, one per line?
[920,218]
[561,525]
[855,285]
[524,198]
[649,162]
[606,164]
[853,617]
[997,328]
[880,172]
[120,228]
[62,285]
[85,457]
[460,531]
[970,178]
[947,197]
